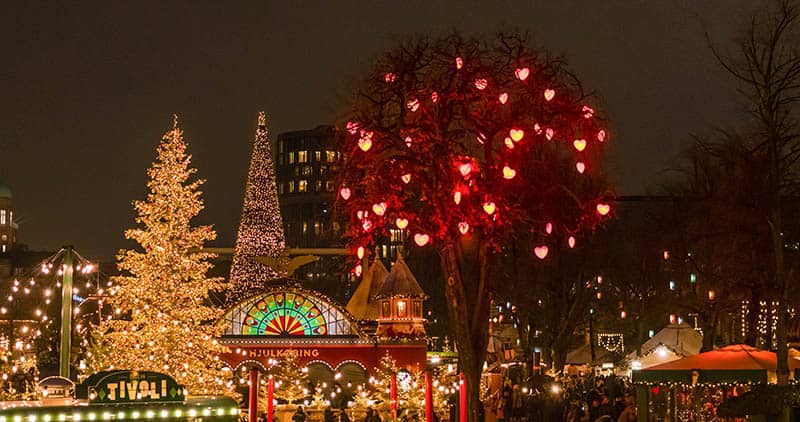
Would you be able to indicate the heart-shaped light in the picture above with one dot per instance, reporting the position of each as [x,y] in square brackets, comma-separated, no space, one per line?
[465,169]
[541,251]
[389,77]
[588,112]
[360,252]
[357,270]
[344,193]
[549,133]
[522,73]
[409,141]
[434,96]
[457,197]
[516,134]
[459,62]
[379,209]
[579,144]
[481,84]
[489,207]
[509,173]
[548,228]
[503,98]
[463,227]
[601,136]
[421,239]
[406,178]
[412,105]
[537,128]
[509,143]
[549,94]
[603,209]
[401,223]
[360,215]
[352,127]
[580,166]
[571,242]
[365,144]
[366,225]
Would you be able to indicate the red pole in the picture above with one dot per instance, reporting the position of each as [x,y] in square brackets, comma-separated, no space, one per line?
[270,397]
[252,407]
[462,392]
[393,394]
[428,396]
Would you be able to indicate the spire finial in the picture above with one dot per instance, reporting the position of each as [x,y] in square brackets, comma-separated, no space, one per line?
[174,122]
[262,120]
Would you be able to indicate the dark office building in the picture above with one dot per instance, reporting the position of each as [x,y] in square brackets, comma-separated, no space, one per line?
[307,163]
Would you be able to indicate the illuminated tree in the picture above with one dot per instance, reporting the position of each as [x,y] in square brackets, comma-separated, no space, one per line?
[163,320]
[291,379]
[462,142]
[261,226]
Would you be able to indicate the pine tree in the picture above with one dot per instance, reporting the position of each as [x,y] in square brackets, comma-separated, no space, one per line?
[261,227]
[163,320]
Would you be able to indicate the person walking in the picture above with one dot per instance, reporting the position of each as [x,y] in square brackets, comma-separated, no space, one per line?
[299,415]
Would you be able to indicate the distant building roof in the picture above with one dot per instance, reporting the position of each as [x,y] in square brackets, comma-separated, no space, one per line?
[400,282]
[5,191]
[363,304]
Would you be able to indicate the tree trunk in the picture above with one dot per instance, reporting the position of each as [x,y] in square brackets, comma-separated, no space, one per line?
[783,289]
[469,315]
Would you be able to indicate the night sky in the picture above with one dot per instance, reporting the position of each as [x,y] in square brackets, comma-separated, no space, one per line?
[87,89]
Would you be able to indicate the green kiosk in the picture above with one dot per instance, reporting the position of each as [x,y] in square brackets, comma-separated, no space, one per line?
[121,396]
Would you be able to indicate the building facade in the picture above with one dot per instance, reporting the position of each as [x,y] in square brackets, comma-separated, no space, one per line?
[8,227]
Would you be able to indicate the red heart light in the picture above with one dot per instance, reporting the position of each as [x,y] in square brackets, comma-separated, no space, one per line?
[601,136]
[457,197]
[360,252]
[516,134]
[548,228]
[459,62]
[389,77]
[481,84]
[406,178]
[344,193]
[509,143]
[580,166]
[571,242]
[541,251]
[503,98]
[421,239]
[588,112]
[549,133]
[489,207]
[465,169]
[434,96]
[603,209]
[549,94]
[579,144]
[413,104]
[522,73]
[463,227]
[509,173]
[379,209]
[401,223]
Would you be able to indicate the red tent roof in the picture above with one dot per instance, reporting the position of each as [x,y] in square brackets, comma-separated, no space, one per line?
[733,357]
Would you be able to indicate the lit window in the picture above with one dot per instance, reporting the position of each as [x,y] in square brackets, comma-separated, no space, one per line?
[4,248]
[302,156]
[11,217]
[291,186]
[281,188]
[330,186]
[402,309]
[280,146]
[330,156]
[2,216]
[307,170]
[305,227]
[317,228]
[317,155]
[302,186]
[291,158]
[318,186]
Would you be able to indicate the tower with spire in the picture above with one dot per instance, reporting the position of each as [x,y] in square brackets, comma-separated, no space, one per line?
[261,226]
[400,304]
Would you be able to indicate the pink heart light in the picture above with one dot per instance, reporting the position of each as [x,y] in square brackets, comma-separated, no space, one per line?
[463,227]
[549,133]
[344,193]
[457,197]
[548,228]
[421,239]
[549,94]
[516,134]
[522,73]
[603,209]
[459,62]
[489,207]
[379,209]
[434,96]
[360,252]
[509,143]
[401,223]
[541,251]
[413,105]
[601,136]
[579,144]
[481,84]
[503,98]
[509,173]
[406,178]
[580,166]
[465,169]
[571,242]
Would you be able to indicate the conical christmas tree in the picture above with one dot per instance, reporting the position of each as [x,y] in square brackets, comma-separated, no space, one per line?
[163,319]
[261,226]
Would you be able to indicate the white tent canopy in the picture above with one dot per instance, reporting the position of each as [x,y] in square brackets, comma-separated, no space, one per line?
[675,341]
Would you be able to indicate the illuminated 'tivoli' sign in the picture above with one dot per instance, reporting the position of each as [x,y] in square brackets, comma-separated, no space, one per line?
[132,386]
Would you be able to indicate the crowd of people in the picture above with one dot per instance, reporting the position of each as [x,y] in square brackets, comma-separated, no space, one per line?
[571,399]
